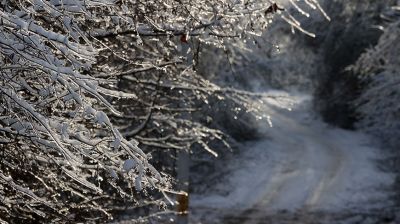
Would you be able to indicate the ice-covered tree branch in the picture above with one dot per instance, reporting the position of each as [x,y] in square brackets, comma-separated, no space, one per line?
[91,89]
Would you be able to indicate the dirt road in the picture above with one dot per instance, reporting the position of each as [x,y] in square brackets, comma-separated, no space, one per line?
[311,168]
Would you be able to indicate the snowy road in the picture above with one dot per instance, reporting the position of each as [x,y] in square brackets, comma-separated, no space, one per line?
[313,167]
[302,167]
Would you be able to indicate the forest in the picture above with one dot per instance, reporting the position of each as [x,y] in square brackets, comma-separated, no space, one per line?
[188,111]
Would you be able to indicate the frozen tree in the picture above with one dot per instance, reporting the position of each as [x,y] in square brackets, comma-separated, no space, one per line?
[261,61]
[91,91]
[62,158]
[378,68]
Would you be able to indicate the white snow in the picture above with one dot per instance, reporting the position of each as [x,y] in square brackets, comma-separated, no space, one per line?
[302,165]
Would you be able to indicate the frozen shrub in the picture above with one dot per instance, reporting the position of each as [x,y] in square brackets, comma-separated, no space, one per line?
[92,90]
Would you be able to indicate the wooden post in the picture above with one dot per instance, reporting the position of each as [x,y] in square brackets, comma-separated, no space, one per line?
[183,158]
[183,185]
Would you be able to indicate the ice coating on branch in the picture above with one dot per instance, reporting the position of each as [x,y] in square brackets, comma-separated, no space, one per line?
[138,183]
[102,119]
[116,143]
[129,164]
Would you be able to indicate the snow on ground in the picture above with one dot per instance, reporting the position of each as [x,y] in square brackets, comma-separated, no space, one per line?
[302,166]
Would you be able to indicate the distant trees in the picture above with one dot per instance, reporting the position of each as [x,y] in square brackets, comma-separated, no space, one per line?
[91,92]
[379,69]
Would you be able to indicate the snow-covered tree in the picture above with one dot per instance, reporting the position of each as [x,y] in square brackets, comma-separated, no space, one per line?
[379,69]
[90,89]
